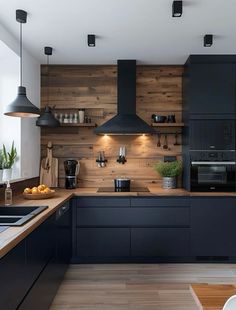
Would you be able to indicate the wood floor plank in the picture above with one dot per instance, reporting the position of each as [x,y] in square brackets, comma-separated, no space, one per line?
[137,286]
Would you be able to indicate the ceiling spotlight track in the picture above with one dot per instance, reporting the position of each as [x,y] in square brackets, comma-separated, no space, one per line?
[21,106]
[91,40]
[208,40]
[177,8]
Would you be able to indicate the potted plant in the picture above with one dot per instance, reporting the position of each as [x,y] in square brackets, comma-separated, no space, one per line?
[169,171]
[8,161]
[1,165]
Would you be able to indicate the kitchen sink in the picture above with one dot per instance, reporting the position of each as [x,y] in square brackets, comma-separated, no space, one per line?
[17,215]
[10,219]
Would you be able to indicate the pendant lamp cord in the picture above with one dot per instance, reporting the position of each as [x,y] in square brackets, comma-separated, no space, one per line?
[48,80]
[21,47]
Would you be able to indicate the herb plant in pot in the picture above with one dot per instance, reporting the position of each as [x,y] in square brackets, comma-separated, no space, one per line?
[169,171]
[8,161]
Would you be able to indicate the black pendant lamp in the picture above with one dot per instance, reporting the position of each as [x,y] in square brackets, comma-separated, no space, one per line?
[47,119]
[21,106]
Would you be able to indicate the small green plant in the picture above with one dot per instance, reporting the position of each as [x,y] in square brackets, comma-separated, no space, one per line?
[169,169]
[9,157]
[1,160]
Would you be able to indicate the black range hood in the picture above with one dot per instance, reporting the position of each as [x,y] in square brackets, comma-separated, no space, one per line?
[126,122]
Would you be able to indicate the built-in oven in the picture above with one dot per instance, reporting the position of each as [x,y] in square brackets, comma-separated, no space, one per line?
[213,171]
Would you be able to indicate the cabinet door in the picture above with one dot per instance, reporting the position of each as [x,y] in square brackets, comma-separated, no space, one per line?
[103,242]
[160,242]
[122,217]
[212,88]
[13,280]
[213,228]
[212,135]
[105,202]
[64,236]
[43,290]
[40,247]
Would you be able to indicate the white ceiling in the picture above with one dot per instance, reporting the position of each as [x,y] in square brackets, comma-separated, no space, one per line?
[125,29]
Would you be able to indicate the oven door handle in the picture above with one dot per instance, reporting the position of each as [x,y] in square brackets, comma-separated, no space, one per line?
[213,163]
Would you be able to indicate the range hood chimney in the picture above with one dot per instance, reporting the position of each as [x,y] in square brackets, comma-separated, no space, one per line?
[126,121]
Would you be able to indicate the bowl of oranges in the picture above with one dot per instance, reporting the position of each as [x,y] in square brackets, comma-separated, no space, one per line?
[38,192]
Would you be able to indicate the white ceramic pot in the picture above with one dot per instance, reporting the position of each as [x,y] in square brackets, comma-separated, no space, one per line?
[81,116]
[7,174]
[1,174]
[169,183]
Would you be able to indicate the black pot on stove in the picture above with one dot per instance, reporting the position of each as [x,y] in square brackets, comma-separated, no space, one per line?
[122,184]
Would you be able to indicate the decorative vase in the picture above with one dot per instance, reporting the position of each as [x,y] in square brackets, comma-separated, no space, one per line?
[169,182]
[7,174]
[1,174]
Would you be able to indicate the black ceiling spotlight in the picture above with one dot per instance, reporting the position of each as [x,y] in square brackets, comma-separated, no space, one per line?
[47,119]
[21,106]
[177,8]
[208,40]
[91,40]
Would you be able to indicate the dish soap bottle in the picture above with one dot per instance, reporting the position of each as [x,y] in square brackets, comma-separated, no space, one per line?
[8,194]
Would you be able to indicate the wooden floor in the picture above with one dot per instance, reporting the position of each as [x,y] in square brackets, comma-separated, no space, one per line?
[137,286]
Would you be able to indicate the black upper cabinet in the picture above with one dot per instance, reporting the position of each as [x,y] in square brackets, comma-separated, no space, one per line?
[212,135]
[212,89]
[209,86]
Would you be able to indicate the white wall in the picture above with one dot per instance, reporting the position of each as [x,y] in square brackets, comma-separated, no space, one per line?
[30,134]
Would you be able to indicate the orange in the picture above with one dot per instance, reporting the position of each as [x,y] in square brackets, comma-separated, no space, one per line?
[35,190]
[47,190]
[41,188]
[27,190]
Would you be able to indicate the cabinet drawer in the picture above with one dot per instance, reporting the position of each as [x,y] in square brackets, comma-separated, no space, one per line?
[157,242]
[103,202]
[133,217]
[160,202]
[103,242]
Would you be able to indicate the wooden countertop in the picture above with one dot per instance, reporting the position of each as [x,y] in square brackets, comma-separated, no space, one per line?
[212,296]
[13,235]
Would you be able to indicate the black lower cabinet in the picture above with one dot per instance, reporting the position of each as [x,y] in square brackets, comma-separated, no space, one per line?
[32,272]
[43,291]
[40,248]
[48,254]
[134,230]
[213,228]
[160,242]
[13,280]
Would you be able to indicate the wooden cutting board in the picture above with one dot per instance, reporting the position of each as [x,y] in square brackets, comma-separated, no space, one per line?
[49,169]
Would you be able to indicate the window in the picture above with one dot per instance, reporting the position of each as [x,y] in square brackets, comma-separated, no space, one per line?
[10,127]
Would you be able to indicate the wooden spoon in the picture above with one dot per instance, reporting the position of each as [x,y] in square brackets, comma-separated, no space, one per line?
[165,145]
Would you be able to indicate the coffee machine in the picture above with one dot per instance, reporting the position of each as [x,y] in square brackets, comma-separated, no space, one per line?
[71,171]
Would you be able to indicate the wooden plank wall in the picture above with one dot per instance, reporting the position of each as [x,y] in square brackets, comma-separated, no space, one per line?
[159,90]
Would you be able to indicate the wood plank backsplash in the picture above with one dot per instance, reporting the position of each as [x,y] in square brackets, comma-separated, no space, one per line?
[159,90]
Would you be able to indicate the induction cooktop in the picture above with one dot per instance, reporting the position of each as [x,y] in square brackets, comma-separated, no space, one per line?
[118,190]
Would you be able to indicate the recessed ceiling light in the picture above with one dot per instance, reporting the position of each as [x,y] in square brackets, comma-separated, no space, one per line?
[208,40]
[91,40]
[177,8]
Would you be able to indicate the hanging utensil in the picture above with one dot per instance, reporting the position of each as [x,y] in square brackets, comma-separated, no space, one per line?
[159,140]
[176,139]
[165,145]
